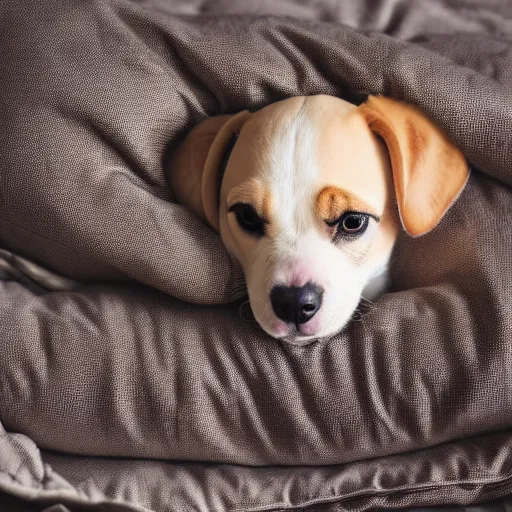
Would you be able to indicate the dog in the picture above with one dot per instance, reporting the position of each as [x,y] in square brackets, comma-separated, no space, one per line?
[309,194]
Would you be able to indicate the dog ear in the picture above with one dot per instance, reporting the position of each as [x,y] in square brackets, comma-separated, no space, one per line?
[195,173]
[429,171]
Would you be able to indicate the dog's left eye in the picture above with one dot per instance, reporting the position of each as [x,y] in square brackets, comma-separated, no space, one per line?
[353,223]
[350,224]
[248,219]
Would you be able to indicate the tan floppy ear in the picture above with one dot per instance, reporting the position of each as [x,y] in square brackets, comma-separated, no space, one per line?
[429,171]
[195,169]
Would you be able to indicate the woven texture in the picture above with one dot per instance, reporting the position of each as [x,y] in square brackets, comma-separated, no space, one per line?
[152,360]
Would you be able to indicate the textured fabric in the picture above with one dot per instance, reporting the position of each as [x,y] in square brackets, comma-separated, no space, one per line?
[151,359]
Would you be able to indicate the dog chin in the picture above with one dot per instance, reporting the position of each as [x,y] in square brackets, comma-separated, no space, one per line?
[293,339]
[306,334]
[296,338]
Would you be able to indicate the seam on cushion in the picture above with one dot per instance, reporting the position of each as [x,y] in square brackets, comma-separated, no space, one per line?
[372,492]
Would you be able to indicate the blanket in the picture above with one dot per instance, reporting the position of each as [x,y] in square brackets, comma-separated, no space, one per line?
[130,375]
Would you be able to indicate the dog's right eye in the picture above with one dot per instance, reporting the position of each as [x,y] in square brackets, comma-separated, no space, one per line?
[248,219]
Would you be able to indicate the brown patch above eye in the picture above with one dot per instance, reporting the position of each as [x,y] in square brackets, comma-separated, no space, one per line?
[332,202]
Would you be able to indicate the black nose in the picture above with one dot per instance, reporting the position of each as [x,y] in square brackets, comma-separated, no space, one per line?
[296,304]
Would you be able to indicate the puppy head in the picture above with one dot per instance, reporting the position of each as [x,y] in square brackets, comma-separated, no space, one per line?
[304,195]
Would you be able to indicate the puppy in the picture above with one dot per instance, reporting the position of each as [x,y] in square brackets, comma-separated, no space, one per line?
[309,194]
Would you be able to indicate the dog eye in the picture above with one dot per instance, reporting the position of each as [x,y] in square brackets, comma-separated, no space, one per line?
[350,224]
[353,223]
[248,219]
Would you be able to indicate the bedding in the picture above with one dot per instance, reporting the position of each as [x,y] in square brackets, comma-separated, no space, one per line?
[130,376]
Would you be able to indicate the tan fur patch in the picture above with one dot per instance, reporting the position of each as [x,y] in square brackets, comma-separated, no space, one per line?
[333,202]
